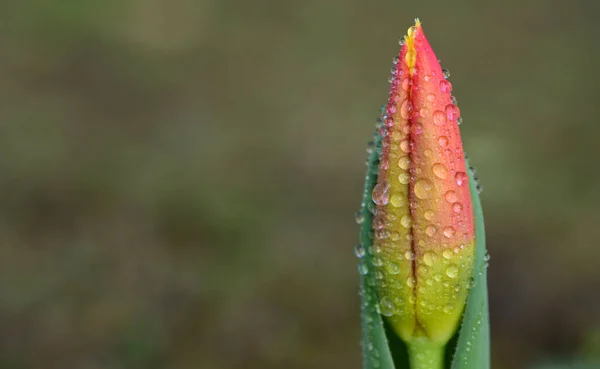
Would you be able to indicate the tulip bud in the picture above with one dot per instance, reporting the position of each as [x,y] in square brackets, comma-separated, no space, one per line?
[423,227]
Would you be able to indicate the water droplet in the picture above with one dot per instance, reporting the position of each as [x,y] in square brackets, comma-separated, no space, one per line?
[423,188]
[417,128]
[447,254]
[381,193]
[429,214]
[359,217]
[411,31]
[405,145]
[405,109]
[448,309]
[396,135]
[401,41]
[409,255]
[439,170]
[449,232]
[439,117]
[359,250]
[431,230]
[427,152]
[452,271]
[445,86]
[392,268]
[377,261]
[363,269]
[446,73]
[451,196]
[461,177]
[404,177]
[386,306]
[424,112]
[427,78]
[431,97]
[411,282]
[406,221]
[452,112]
[459,120]
[404,162]
[395,60]
[397,200]
[443,141]
[457,207]
[429,258]
[406,84]
[487,257]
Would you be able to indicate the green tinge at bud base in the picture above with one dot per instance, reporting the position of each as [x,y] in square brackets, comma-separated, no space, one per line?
[424,234]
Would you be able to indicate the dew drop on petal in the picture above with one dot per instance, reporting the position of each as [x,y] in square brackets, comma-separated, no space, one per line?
[404,162]
[452,271]
[439,170]
[405,145]
[411,282]
[417,128]
[446,73]
[431,230]
[445,86]
[429,258]
[423,188]
[405,109]
[439,117]
[429,214]
[405,84]
[404,178]
[443,141]
[447,253]
[406,221]
[457,207]
[381,193]
[392,268]
[451,196]
[431,97]
[449,231]
[452,112]
[386,306]
[461,178]
[397,200]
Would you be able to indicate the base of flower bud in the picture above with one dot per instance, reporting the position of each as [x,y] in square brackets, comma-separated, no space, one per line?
[424,354]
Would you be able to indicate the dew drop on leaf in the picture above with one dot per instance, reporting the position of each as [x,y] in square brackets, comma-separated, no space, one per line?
[359,250]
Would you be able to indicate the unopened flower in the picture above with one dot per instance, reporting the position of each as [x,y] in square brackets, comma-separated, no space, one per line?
[423,227]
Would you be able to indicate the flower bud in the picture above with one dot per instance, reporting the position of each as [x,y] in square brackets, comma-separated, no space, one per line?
[423,228]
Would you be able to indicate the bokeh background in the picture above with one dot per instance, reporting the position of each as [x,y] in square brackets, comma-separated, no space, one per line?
[178,178]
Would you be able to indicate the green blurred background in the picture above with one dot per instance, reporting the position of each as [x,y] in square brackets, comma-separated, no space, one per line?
[178,178]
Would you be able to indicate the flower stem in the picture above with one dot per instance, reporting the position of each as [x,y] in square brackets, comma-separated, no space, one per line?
[423,354]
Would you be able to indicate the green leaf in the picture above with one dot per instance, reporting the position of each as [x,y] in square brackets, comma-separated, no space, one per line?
[375,347]
[473,345]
